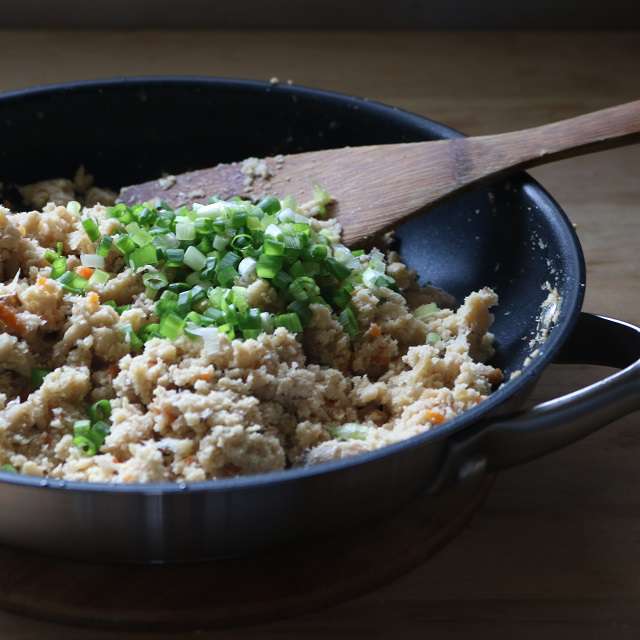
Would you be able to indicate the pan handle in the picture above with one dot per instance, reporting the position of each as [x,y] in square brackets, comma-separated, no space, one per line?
[515,439]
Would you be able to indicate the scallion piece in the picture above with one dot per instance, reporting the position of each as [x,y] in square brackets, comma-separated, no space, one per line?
[91,228]
[100,410]
[132,337]
[155,280]
[85,445]
[194,259]
[220,243]
[337,269]
[227,276]
[269,205]
[143,256]
[349,322]
[350,431]
[58,267]
[8,468]
[185,231]
[151,330]
[302,310]
[38,375]
[303,288]
[425,310]
[124,244]
[73,282]
[318,251]
[171,326]
[106,242]
[268,266]
[175,257]
[289,321]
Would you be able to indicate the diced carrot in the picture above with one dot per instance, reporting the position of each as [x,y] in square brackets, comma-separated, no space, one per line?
[435,417]
[9,318]
[205,375]
[84,272]
[375,331]
[93,298]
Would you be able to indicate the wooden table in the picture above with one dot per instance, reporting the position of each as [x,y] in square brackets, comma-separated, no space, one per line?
[555,552]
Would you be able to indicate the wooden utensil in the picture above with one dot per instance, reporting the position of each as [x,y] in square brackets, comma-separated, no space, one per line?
[376,187]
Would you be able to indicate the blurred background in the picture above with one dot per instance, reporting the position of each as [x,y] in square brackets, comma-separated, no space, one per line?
[352,14]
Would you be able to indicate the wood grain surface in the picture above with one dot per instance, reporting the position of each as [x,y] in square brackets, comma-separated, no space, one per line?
[555,552]
[376,187]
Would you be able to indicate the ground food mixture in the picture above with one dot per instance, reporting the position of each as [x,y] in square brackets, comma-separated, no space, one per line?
[144,344]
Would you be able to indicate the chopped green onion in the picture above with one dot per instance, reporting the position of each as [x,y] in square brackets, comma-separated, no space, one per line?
[240,298]
[220,243]
[73,282]
[302,310]
[138,235]
[270,205]
[185,231]
[92,260]
[132,337]
[268,265]
[349,322]
[106,242]
[319,251]
[227,276]
[273,246]
[38,375]
[194,259]
[100,410]
[350,431]
[58,267]
[247,267]
[171,326]
[175,257]
[230,259]
[99,432]
[282,280]
[143,256]
[303,288]
[155,280]
[433,338]
[91,227]
[85,445]
[425,310]
[124,244]
[289,321]
[8,468]
[337,269]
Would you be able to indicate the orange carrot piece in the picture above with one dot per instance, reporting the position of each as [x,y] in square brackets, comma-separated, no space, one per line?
[9,318]
[435,417]
[84,272]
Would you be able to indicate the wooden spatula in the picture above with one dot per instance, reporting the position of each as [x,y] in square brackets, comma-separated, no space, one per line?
[375,187]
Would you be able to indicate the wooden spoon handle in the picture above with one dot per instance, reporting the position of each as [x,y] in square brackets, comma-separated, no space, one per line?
[488,155]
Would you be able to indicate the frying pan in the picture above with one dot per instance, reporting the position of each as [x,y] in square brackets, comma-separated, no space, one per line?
[510,235]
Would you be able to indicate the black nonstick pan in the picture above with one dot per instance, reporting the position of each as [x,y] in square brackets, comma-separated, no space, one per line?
[510,235]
